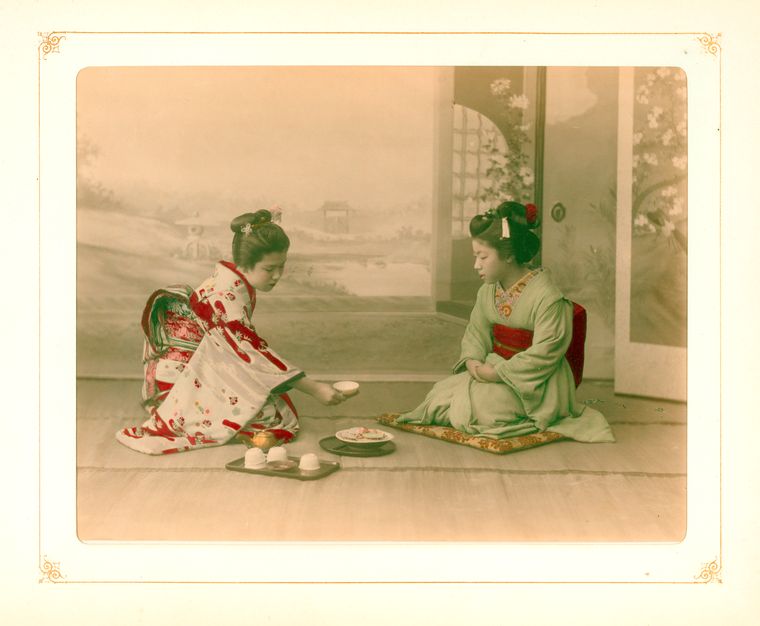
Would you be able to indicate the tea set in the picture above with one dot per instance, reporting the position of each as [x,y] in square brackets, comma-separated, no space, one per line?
[265,457]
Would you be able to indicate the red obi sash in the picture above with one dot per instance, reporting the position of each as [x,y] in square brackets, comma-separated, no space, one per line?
[509,341]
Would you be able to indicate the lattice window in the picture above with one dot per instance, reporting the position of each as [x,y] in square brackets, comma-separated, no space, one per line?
[472,134]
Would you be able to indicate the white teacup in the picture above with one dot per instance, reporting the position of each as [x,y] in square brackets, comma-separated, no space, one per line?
[278,453]
[255,458]
[347,387]
[309,462]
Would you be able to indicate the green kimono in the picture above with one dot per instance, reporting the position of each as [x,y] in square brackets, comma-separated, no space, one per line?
[537,389]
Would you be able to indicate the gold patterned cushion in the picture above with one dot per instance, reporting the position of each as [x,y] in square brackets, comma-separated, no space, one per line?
[446,433]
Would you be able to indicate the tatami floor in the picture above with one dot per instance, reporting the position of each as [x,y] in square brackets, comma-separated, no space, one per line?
[427,490]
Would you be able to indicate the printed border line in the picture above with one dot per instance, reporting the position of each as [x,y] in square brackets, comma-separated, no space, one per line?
[385,582]
[42,562]
[375,32]
[51,572]
[720,310]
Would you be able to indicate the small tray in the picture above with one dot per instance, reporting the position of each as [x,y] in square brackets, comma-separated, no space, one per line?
[325,468]
[336,446]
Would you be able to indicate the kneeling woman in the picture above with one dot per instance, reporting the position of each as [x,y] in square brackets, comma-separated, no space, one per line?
[208,374]
[500,388]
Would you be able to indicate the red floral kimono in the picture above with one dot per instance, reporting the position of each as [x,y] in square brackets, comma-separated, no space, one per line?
[208,375]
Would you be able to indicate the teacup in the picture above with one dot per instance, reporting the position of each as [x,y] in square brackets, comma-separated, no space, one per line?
[255,458]
[278,453]
[309,462]
[347,387]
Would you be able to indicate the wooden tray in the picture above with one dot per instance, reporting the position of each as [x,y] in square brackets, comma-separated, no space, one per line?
[325,468]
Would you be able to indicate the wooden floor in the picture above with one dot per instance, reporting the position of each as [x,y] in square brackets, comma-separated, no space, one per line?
[428,490]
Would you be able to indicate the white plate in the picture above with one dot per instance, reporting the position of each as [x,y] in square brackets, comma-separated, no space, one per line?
[363,436]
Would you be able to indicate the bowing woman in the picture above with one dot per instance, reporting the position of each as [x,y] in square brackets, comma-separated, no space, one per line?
[208,373]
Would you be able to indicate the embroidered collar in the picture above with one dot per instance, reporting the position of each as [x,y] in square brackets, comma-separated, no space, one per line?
[249,288]
[505,299]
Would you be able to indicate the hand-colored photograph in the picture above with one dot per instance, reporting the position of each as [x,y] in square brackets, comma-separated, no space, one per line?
[367,303]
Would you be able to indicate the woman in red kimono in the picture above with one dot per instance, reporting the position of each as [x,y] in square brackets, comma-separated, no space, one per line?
[208,374]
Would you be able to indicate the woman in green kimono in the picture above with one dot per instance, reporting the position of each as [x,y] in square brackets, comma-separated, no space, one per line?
[514,375]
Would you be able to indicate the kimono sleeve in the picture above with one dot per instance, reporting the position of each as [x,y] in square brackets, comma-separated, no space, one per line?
[527,372]
[477,340]
[226,306]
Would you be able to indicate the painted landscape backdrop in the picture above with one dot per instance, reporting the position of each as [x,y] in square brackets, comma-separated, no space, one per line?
[168,156]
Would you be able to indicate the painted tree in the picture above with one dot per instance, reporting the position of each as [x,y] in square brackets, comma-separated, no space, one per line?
[660,155]
[508,173]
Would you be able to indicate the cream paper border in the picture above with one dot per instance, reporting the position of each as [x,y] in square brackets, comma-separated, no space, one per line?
[63,559]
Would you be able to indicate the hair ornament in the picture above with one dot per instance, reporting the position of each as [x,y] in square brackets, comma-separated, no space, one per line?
[524,215]
[505,228]
[276,212]
[249,227]
[531,214]
[491,214]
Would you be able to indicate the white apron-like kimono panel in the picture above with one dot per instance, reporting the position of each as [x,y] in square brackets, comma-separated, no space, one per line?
[231,382]
[537,388]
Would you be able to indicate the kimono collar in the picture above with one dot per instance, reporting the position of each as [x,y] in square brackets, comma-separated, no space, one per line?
[521,282]
[251,291]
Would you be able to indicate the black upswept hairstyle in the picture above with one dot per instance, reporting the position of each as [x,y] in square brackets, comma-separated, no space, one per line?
[522,243]
[256,235]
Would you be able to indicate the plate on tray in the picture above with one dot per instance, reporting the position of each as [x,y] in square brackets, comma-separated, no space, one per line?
[362,437]
[341,448]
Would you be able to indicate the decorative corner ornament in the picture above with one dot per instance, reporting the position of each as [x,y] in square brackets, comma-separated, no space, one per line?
[711,43]
[51,572]
[49,43]
[710,572]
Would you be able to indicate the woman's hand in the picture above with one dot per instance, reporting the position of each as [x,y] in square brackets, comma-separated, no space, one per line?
[487,373]
[327,395]
[473,366]
[482,372]
[322,392]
